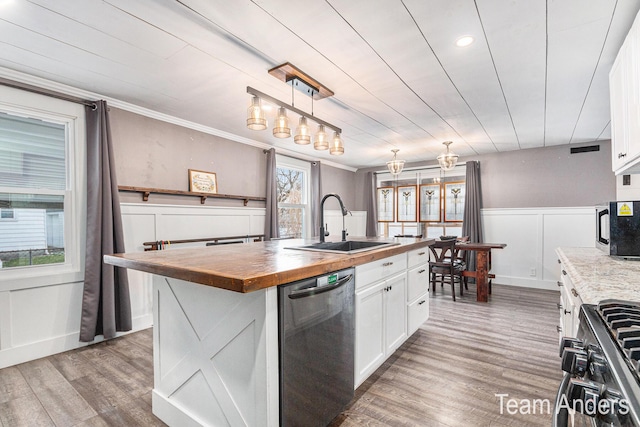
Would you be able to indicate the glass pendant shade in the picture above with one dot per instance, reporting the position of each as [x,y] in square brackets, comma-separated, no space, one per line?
[255,115]
[448,159]
[395,166]
[303,134]
[281,128]
[337,147]
[321,142]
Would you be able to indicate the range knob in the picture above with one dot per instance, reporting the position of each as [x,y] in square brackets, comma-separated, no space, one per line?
[597,365]
[584,396]
[575,361]
[568,342]
[612,406]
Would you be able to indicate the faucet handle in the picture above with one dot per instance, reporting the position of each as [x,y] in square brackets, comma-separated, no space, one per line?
[326,227]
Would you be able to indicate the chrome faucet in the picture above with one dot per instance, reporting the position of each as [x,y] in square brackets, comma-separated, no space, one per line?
[323,234]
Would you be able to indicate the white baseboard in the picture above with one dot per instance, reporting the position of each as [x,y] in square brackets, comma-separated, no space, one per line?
[525,282]
[168,412]
[71,341]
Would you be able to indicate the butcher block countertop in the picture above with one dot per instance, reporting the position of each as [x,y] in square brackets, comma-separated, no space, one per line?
[249,267]
[597,276]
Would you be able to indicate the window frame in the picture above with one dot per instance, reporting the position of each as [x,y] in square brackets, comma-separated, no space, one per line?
[415,176]
[304,167]
[72,116]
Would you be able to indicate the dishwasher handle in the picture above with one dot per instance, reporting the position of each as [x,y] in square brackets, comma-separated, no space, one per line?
[302,293]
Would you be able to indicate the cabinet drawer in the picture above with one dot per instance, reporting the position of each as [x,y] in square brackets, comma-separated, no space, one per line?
[418,282]
[377,270]
[418,256]
[418,313]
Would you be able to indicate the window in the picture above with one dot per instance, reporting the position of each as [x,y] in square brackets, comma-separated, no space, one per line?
[41,186]
[293,202]
[7,214]
[435,210]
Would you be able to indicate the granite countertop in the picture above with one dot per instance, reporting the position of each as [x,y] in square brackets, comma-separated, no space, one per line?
[597,276]
[249,267]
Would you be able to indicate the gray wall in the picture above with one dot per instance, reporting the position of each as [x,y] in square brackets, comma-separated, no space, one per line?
[537,177]
[341,182]
[152,153]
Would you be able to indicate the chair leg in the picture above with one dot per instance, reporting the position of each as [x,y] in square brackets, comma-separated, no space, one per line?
[453,286]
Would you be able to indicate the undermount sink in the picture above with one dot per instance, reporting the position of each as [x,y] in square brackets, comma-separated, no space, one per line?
[348,247]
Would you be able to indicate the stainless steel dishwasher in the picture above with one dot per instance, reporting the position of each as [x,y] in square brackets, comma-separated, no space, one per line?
[316,339]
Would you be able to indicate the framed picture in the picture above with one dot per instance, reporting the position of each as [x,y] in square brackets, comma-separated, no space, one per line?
[454,201]
[202,182]
[407,207]
[429,203]
[386,199]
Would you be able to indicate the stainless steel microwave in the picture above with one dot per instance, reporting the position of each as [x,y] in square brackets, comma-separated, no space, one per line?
[618,228]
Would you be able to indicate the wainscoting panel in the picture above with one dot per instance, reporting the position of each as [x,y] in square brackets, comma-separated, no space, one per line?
[532,235]
[45,320]
[212,355]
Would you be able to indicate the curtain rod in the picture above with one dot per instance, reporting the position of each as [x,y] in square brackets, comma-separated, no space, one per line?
[265,151]
[40,91]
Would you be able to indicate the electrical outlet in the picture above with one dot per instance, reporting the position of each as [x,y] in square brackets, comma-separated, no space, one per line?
[532,272]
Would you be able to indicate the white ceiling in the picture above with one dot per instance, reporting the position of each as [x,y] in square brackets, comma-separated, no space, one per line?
[537,74]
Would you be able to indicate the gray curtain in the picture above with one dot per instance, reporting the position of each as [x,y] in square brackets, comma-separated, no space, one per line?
[472,222]
[106,305]
[316,197]
[271,214]
[371,204]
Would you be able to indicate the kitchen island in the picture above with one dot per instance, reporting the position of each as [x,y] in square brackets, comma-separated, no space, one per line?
[216,323]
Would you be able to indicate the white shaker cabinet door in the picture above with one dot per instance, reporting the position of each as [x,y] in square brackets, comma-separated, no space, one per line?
[370,329]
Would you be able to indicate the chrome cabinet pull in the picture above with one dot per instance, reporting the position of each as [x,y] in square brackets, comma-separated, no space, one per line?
[559,329]
[621,155]
[421,253]
[387,264]
[564,272]
[421,302]
[421,271]
[559,283]
[559,306]
[566,312]
[574,292]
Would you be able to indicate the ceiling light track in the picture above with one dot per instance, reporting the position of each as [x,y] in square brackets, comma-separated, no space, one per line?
[291,108]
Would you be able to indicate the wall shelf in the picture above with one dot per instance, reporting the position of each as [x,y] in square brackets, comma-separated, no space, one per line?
[146,192]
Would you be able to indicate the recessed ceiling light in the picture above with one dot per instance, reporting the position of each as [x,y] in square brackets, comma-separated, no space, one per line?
[464,41]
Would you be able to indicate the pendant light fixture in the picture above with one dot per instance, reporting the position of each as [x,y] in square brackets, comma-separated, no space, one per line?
[321,142]
[337,148]
[303,134]
[448,159]
[304,83]
[395,166]
[255,115]
[281,128]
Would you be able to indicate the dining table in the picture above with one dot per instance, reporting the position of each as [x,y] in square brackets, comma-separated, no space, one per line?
[483,266]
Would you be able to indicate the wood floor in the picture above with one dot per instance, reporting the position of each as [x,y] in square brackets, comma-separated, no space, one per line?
[447,374]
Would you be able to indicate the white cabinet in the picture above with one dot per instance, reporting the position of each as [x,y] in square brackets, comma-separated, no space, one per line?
[417,289]
[569,305]
[380,323]
[624,86]
[392,301]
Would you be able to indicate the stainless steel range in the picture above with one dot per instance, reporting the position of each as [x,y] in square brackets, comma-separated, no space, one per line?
[601,386]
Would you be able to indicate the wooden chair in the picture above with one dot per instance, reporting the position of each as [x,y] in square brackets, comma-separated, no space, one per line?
[461,259]
[445,266]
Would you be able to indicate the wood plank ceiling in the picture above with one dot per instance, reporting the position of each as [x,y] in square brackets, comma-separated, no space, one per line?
[536,75]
